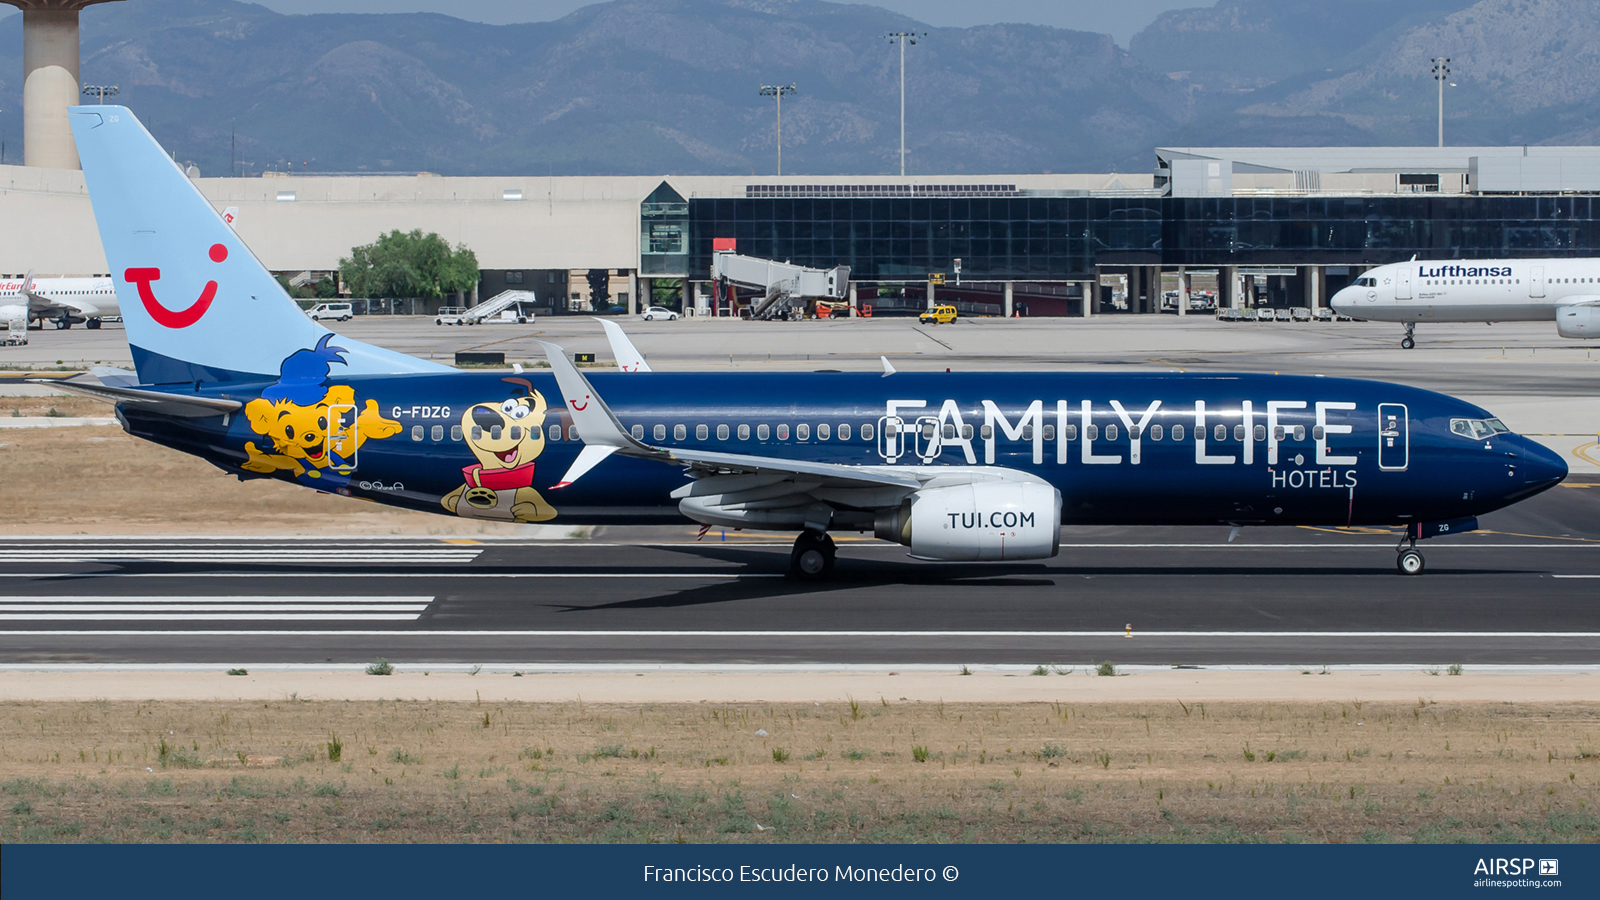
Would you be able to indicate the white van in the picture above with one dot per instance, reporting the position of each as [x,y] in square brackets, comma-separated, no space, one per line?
[340,311]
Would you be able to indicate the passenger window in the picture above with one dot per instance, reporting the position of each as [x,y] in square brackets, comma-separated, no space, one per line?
[661,432]
[927,431]
[1278,433]
[823,432]
[744,432]
[701,432]
[555,432]
[844,432]
[1049,432]
[1134,433]
[1071,432]
[763,432]
[1238,432]
[1220,433]
[438,433]
[866,432]
[1261,432]
[783,432]
[1027,432]
[722,432]
[1091,432]
[949,431]
[1156,432]
[987,432]
[1177,432]
[1111,432]
[680,432]
[1317,432]
[416,432]
[966,432]
[638,432]
[477,432]
[455,432]
[1299,432]
[572,432]
[802,432]
[494,433]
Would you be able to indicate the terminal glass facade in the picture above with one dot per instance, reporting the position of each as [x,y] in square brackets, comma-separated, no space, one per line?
[1029,238]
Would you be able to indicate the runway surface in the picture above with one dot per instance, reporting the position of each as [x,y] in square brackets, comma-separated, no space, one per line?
[1526,590]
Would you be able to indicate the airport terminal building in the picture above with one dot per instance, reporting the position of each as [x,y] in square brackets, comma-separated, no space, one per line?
[1231,226]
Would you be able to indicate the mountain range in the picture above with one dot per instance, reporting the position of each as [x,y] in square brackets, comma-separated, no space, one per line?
[671,86]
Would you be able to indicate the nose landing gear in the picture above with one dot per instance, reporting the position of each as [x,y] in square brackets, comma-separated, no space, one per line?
[1409,341]
[1409,561]
[812,556]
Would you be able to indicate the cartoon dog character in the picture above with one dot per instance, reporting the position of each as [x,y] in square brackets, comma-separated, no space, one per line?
[506,437]
[309,422]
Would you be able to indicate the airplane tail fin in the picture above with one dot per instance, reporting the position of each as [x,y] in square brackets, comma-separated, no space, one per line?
[196,303]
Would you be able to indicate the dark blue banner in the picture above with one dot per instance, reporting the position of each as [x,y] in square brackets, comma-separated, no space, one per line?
[383,871]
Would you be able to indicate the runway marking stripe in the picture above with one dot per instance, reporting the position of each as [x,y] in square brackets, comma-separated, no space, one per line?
[1116,633]
[62,610]
[231,599]
[208,617]
[315,573]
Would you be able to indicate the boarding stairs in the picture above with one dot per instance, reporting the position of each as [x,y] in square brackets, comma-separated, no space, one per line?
[494,305]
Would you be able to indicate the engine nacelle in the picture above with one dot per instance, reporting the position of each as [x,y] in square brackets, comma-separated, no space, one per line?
[1578,321]
[986,521]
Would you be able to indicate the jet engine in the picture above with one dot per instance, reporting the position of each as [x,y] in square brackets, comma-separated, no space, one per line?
[1578,321]
[985,521]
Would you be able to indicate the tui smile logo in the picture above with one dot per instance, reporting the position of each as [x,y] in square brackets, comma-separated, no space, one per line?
[183,318]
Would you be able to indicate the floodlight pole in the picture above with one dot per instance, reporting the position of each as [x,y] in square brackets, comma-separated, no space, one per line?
[903,37]
[778,90]
[1441,74]
[100,91]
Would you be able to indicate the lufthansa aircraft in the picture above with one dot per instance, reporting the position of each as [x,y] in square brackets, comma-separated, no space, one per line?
[1485,290]
[980,466]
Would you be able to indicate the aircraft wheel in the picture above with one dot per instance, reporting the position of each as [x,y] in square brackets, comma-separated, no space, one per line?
[63,324]
[1407,343]
[812,556]
[1409,563]
[92,324]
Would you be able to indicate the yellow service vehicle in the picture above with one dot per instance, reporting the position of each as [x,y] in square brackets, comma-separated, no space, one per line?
[939,315]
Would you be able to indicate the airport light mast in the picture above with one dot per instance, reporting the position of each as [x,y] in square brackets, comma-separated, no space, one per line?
[1441,74]
[778,91]
[903,37]
[100,91]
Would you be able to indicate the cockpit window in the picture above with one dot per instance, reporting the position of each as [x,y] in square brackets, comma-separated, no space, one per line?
[1477,429]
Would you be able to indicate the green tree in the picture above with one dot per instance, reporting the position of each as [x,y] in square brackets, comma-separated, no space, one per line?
[408,264]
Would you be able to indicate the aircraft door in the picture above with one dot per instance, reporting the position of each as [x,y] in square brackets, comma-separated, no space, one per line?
[1394,437]
[889,443]
[1536,282]
[342,438]
[1402,284]
[930,442]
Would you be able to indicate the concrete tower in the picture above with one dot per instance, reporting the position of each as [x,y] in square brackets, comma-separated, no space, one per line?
[50,79]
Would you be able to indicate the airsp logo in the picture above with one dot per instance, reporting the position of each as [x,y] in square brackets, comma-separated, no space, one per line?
[1502,866]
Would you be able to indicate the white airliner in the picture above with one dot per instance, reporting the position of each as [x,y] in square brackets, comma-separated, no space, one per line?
[1482,290]
[65,301]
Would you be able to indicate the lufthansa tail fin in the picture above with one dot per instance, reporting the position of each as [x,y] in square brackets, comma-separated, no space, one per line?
[196,303]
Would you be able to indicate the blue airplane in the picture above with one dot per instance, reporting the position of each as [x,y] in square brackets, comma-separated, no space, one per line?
[980,466]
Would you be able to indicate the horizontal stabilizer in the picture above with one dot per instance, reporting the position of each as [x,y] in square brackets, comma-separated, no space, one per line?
[184,405]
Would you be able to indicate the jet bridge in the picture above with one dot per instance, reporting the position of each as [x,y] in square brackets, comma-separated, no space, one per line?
[783,284]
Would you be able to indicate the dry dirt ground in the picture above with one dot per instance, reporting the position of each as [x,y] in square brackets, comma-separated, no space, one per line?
[869,771]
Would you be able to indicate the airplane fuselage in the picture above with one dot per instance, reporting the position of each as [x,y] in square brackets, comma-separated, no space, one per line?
[1489,290]
[1151,449]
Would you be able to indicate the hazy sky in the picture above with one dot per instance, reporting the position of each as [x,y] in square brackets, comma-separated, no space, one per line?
[1120,18]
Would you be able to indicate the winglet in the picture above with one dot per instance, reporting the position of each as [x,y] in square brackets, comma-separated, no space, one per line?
[598,429]
[887,369]
[629,359]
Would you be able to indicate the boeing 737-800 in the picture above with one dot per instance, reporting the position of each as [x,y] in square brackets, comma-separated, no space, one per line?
[962,466]
[1489,290]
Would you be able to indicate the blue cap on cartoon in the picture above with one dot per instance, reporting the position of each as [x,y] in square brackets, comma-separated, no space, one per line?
[300,380]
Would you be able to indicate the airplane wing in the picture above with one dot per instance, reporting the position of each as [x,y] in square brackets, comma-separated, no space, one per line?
[183,405]
[602,435]
[629,359]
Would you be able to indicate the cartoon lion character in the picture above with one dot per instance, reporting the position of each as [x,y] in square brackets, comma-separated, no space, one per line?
[309,421]
[506,437]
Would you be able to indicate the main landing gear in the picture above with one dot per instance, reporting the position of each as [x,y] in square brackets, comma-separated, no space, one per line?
[1409,561]
[812,556]
[1409,341]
